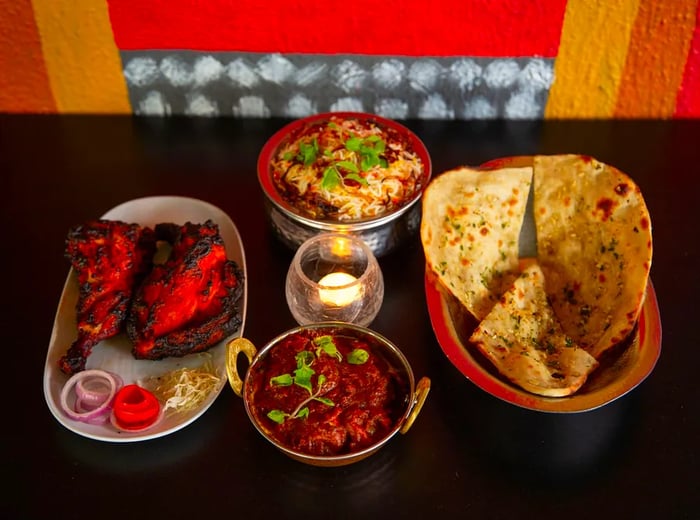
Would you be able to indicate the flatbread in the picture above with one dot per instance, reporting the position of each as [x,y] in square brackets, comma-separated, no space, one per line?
[594,246]
[522,337]
[470,227]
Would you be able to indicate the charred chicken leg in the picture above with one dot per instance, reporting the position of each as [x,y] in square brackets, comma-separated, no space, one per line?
[109,258]
[189,302]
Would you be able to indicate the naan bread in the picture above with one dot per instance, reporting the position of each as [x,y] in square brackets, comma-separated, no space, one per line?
[523,339]
[470,228]
[594,246]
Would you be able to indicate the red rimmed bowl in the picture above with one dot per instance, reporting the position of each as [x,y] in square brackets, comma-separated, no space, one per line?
[314,394]
[378,203]
[621,369]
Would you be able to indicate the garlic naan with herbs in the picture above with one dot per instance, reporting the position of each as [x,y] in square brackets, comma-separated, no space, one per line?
[594,246]
[545,327]
[522,337]
[470,228]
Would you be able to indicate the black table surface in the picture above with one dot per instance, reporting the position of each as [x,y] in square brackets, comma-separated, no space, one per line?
[467,455]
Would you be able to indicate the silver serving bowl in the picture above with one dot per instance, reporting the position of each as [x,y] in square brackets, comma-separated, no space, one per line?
[382,233]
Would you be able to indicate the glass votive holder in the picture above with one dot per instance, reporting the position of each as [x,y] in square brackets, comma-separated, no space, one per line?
[334,277]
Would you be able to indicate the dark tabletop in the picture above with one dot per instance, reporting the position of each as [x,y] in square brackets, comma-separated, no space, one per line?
[468,455]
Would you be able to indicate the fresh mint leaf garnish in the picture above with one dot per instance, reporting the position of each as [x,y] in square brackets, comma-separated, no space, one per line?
[325,344]
[358,356]
[277,416]
[303,372]
[283,380]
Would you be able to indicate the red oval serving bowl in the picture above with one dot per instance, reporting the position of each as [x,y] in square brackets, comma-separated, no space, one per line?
[621,369]
[314,413]
[382,233]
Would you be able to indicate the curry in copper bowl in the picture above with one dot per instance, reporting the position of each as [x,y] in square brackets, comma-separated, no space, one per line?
[327,394]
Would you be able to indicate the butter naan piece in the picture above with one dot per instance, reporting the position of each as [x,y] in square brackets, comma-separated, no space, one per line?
[594,246]
[470,226]
[523,339]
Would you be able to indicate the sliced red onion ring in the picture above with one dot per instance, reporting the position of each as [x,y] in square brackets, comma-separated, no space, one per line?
[102,418]
[93,391]
[92,413]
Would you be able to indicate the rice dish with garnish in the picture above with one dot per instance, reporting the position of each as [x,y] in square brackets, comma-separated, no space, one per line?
[347,169]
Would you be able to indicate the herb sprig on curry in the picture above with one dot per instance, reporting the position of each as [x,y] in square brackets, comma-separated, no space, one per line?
[303,376]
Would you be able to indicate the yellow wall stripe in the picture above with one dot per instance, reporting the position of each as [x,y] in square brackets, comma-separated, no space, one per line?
[82,60]
[656,59]
[591,58]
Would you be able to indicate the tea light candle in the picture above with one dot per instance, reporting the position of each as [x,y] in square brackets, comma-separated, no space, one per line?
[334,277]
[337,289]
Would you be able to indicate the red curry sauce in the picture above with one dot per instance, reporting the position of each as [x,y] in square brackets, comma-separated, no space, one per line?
[357,405]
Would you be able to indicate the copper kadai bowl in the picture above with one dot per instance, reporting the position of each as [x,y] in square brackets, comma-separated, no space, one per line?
[384,359]
[382,233]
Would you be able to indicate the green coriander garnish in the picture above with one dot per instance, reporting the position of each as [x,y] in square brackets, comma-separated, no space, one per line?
[368,153]
[357,178]
[331,178]
[369,149]
[347,165]
[308,152]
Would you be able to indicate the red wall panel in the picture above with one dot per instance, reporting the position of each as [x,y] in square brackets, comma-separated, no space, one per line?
[408,28]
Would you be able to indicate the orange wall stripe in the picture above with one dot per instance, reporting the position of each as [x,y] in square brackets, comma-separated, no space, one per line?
[656,59]
[24,82]
[688,100]
[592,51]
[81,57]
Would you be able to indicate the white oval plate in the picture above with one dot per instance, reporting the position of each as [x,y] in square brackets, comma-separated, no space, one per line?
[114,354]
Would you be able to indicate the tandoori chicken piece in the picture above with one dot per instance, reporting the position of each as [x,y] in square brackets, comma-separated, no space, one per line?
[109,258]
[188,303]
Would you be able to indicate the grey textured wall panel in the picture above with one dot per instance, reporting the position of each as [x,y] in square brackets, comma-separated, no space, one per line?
[276,85]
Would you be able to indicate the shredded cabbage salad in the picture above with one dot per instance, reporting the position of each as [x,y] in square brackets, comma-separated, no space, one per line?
[186,388]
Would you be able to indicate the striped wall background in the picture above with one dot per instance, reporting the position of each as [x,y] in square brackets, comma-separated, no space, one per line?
[250,58]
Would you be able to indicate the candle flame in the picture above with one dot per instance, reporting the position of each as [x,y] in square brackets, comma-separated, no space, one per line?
[336,289]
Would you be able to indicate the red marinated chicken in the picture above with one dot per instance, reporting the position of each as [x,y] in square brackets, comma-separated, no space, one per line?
[190,302]
[109,259]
